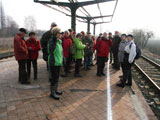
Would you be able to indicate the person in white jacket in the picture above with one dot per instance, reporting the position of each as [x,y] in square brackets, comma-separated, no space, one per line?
[129,57]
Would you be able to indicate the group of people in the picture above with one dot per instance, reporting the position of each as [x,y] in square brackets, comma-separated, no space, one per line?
[26,52]
[61,49]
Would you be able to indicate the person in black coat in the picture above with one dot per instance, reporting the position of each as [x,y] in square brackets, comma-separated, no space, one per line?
[116,41]
[44,42]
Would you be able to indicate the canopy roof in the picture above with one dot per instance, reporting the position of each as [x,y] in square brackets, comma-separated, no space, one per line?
[94,10]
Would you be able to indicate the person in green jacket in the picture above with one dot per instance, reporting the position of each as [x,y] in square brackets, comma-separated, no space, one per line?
[55,60]
[79,54]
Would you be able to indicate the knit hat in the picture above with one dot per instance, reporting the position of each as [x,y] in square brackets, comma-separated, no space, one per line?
[23,30]
[53,24]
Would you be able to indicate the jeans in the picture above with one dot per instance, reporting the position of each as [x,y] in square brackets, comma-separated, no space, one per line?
[87,61]
[91,60]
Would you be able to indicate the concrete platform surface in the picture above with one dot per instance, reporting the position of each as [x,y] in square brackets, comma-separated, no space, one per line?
[86,98]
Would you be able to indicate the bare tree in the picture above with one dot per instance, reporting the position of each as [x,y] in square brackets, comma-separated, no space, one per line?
[30,23]
[142,37]
[12,26]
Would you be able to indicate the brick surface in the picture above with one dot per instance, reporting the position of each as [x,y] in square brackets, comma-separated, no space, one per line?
[83,98]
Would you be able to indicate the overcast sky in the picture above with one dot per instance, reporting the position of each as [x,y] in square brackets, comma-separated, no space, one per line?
[129,14]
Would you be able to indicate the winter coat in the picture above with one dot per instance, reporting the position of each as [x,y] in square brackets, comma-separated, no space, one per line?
[20,48]
[66,44]
[44,42]
[122,45]
[102,47]
[89,48]
[55,52]
[116,41]
[130,49]
[79,49]
[35,45]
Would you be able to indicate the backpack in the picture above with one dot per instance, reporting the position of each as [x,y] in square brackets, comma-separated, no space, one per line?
[138,51]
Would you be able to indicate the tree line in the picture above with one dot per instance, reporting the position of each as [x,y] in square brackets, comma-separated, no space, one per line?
[9,26]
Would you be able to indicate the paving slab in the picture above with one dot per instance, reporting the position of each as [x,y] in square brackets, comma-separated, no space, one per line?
[86,98]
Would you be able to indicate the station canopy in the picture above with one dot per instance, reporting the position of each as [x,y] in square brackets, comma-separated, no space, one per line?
[94,10]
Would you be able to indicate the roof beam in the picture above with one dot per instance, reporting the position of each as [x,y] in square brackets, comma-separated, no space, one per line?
[80,4]
[94,17]
[54,3]
[75,4]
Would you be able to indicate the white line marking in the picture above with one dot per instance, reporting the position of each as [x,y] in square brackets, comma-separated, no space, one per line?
[109,103]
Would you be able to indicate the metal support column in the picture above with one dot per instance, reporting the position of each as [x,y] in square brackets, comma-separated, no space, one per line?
[88,25]
[94,28]
[73,20]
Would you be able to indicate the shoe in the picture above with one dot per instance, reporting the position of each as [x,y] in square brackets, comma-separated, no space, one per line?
[63,75]
[128,84]
[120,85]
[59,92]
[53,93]
[91,65]
[100,75]
[88,68]
[103,74]
[26,83]
[54,96]
[77,75]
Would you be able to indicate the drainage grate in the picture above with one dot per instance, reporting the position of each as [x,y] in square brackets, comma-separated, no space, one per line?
[85,90]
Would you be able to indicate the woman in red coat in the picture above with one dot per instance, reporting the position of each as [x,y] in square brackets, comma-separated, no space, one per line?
[33,47]
[66,44]
[102,46]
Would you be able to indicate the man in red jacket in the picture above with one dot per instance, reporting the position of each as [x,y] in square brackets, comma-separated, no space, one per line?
[102,46]
[33,46]
[21,55]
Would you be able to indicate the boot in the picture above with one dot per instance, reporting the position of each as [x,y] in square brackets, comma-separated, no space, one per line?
[53,93]
[58,92]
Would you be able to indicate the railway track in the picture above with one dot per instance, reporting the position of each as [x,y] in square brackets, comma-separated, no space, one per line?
[6,55]
[146,74]
[150,70]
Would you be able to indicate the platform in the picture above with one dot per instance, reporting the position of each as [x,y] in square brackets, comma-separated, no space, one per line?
[86,98]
